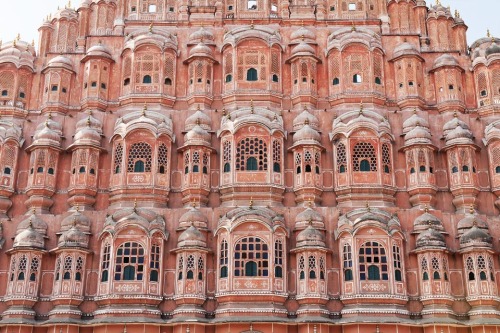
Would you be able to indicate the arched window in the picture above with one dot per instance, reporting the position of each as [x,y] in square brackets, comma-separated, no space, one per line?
[356,78]
[139,166]
[180,267]
[341,158]
[146,79]
[469,263]
[154,263]
[168,81]
[252,4]
[312,267]
[373,262]
[126,82]
[364,158]
[378,81]
[50,171]
[465,168]
[425,269]
[302,275]
[251,256]
[336,81]
[227,167]
[251,164]
[229,78]
[252,74]
[129,262]
[396,256]
[308,168]
[6,171]
[275,78]
[386,158]
[223,259]
[454,169]
[299,170]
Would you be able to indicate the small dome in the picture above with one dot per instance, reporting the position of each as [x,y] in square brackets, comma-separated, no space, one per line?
[309,216]
[418,134]
[453,123]
[414,121]
[193,217]
[445,60]
[60,62]
[76,219]
[469,221]
[198,118]
[191,237]
[34,222]
[303,118]
[201,35]
[405,49]
[29,238]
[459,134]
[201,50]
[494,48]
[73,237]
[427,220]
[303,33]
[89,121]
[99,50]
[197,136]
[310,236]
[307,134]
[46,136]
[430,238]
[476,235]
[303,49]
[87,135]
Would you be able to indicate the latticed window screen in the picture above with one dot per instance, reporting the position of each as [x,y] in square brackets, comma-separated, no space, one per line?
[162,158]
[251,257]
[118,158]
[386,157]
[6,84]
[373,262]
[223,259]
[482,84]
[334,66]
[251,148]
[8,156]
[154,263]
[364,151]
[276,151]
[398,269]
[496,159]
[278,259]
[301,267]
[275,63]
[127,68]
[341,158]
[35,265]
[347,262]
[228,65]
[496,82]
[147,64]
[105,261]
[139,152]
[312,267]
[425,269]
[129,262]
[252,59]
[180,265]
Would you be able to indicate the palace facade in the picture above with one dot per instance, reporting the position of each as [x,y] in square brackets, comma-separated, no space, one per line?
[250,166]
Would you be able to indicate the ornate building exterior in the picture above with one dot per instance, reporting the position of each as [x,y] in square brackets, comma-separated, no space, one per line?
[250,166]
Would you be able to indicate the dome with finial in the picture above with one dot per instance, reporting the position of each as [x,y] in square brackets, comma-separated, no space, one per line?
[459,135]
[453,124]
[201,50]
[430,238]
[310,236]
[19,53]
[303,34]
[469,221]
[418,135]
[67,13]
[404,49]
[476,237]
[198,119]
[439,10]
[193,217]
[493,49]
[77,219]
[46,136]
[414,121]
[302,118]
[143,218]
[192,237]
[35,222]
[427,220]
[29,238]
[307,135]
[88,132]
[98,51]
[197,136]
[303,49]
[309,216]
[10,131]
[446,60]
[492,132]
[201,35]
[73,237]
[60,61]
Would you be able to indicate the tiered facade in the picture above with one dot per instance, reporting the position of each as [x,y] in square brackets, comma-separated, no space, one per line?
[250,166]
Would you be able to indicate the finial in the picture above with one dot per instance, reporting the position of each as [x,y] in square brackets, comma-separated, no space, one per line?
[302,37]
[198,121]
[471,209]
[251,25]
[457,13]
[73,223]
[88,121]
[251,327]
[144,109]
[488,34]
[18,38]
[353,28]
[310,221]
[30,225]
[368,207]
[302,23]
[414,110]
[361,108]
[275,117]
[33,211]
[224,113]
[14,43]
[135,205]
[455,115]
[251,203]
[474,223]
[69,4]
[77,208]
[426,208]
[315,329]
[193,204]
[187,329]
[33,42]
[310,203]
[438,3]
[151,27]
[125,328]
[251,106]
[306,121]
[377,329]
[198,107]
[50,115]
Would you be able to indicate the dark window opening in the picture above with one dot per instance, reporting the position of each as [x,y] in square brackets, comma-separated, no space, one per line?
[93,84]
[54,88]
[103,85]
[412,170]
[302,275]
[484,93]
[465,168]
[436,276]
[454,169]
[227,167]
[223,272]
[205,170]
[78,276]
[252,74]
[472,276]
[386,169]
[39,169]
[196,168]
[299,170]
[153,276]
[425,276]
[104,276]
[147,79]
[410,83]
[252,164]
[126,82]
[497,169]
[317,170]
[251,268]
[356,78]
[378,81]
[7,171]
[186,170]
[275,78]
[92,171]
[51,171]
[312,274]
[278,272]
[482,276]
[398,276]
[373,273]
[82,169]
[129,273]
[336,81]
[276,167]
[422,168]
[67,276]
[348,275]
[364,166]
[64,90]
[139,166]
[229,78]
[32,277]
[342,169]
[190,275]
[308,168]
[5,93]
[22,95]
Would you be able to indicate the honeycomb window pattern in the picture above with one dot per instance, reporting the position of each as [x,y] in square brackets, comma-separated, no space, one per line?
[364,151]
[140,151]
[251,257]
[251,147]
